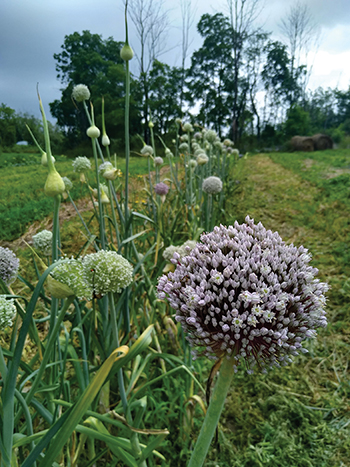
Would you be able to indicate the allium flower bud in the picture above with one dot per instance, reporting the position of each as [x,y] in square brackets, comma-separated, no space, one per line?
[106,271]
[212,185]
[126,52]
[178,121]
[227,142]
[150,125]
[184,138]
[81,93]
[105,140]
[243,292]
[44,159]
[158,161]
[198,135]
[9,264]
[187,127]
[147,150]
[42,241]
[67,279]
[7,312]
[161,189]
[93,132]
[54,184]
[192,163]
[168,153]
[202,159]
[81,164]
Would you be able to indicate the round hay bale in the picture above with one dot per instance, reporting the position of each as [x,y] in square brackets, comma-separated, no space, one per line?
[322,142]
[302,143]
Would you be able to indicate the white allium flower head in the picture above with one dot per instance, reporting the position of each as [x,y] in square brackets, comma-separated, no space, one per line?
[158,161]
[71,274]
[229,305]
[147,150]
[81,164]
[42,241]
[210,136]
[184,138]
[9,264]
[187,127]
[106,271]
[183,147]
[81,93]
[168,153]
[105,166]
[7,312]
[67,183]
[202,158]
[212,185]
[181,250]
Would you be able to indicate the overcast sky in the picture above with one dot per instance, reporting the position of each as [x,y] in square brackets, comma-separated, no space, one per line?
[31,31]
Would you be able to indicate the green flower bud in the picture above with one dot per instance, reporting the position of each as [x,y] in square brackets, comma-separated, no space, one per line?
[44,159]
[105,140]
[126,53]
[54,184]
[93,132]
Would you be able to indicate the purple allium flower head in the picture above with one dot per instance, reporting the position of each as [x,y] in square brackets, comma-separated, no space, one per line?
[9,264]
[243,292]
[161,189]
[212,185]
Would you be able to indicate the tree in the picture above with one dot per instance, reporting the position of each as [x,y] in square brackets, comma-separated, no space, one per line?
[242,16]
[165,95]
[7,126]
[300,30]
[88,59]
[210,74]
[151,23]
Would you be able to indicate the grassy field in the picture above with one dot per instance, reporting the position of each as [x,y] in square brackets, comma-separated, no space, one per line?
[297,416]
[22,197]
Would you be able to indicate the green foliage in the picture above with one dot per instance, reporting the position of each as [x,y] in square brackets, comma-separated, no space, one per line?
[297,123]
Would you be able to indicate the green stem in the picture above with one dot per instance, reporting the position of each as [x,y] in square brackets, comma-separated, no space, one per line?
[213,413]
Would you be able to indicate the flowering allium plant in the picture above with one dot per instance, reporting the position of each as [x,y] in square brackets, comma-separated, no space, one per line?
[81,164]
[147,150]
[81,93]
[243,292]
[161,189]
[42,241]
[107,271]
[212,185]
[7,312]
[9,264]
[158,161]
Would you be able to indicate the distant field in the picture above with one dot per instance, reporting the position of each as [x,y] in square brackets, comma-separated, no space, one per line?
[22,197]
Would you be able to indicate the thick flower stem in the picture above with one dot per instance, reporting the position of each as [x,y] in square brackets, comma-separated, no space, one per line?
[213,413]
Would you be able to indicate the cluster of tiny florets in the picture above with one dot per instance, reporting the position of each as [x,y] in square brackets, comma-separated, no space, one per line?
[158,161]
[81,164]
[107,271]
[243,292]
[184,147]
[42,241]
[9,264]
[212,185]
[70,273]
[161,189]
[67,183]
[7,312]
[105,166]
[181,250]
[202,158]
[187,127]
[81,93]
[210,136]
[192,163]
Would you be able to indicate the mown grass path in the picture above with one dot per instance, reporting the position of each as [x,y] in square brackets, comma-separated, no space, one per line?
[298,415]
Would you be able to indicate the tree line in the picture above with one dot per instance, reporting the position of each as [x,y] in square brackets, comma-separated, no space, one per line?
[239,82]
